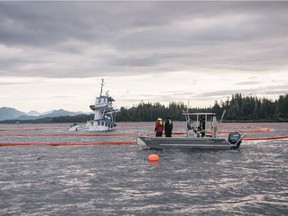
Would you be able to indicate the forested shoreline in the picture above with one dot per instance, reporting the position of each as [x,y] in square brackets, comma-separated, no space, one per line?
[239,108]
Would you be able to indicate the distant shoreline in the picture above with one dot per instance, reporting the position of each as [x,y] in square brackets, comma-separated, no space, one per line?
[257,121]
[38,121]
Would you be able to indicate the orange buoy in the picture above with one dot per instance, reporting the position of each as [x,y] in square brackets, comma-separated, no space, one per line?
[153,157]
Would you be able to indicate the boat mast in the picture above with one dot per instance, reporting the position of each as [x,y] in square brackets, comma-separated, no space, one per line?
[102,84]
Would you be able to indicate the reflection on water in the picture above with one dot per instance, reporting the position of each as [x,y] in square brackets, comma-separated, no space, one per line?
[119,180]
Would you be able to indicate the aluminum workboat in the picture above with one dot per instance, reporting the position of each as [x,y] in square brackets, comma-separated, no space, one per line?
[201,133]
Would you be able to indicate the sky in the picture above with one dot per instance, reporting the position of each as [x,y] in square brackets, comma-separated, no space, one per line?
[53,55]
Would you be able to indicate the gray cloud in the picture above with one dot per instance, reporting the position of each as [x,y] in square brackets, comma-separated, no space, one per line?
[84,39]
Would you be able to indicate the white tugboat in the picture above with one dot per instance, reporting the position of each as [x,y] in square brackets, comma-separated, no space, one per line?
[104,114]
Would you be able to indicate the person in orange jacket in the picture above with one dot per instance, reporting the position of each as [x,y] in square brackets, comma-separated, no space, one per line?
[159,127]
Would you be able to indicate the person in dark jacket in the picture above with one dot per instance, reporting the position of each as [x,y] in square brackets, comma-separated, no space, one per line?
[168,127]
[159,127]
[202,126]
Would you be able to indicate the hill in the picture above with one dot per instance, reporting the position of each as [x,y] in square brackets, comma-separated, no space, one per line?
[7,113]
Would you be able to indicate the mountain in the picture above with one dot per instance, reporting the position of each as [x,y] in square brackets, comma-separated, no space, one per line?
[33,113]
[9,113]
[60,112]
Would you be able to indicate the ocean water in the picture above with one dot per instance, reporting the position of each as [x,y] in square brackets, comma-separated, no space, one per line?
[105,179]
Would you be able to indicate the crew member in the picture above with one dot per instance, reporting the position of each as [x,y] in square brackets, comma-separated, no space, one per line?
[159,127]
[168,127]
[202,126]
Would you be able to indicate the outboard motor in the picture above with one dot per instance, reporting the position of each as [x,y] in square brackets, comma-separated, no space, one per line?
[234,137]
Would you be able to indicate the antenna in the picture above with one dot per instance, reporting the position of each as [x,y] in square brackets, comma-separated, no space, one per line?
[102,84]
[222,116]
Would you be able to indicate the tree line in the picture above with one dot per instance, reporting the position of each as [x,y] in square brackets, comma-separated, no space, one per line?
[239,108]
[242,107]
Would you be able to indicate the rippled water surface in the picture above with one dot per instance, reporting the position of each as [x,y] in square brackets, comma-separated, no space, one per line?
[105,179]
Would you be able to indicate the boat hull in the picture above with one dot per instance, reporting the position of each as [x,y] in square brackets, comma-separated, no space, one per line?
[206,143]
[100,125]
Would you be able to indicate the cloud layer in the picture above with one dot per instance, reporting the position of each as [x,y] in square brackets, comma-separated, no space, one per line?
[136,39]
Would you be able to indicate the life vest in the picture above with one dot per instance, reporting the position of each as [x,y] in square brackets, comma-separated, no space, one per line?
[159,125]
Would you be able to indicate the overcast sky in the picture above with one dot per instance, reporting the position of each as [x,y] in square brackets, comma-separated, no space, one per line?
[54,54]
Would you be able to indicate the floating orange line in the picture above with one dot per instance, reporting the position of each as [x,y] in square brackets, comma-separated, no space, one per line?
[266,138]
[68,143]
[110,143]
[85,134]
[120,134]
[248,131]
[74,134]
[178,133]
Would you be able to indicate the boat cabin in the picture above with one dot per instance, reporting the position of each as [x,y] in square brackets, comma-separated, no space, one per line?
[104,100]
[201,124]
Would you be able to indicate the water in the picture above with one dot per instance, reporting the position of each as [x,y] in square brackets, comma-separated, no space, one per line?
[118,179]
